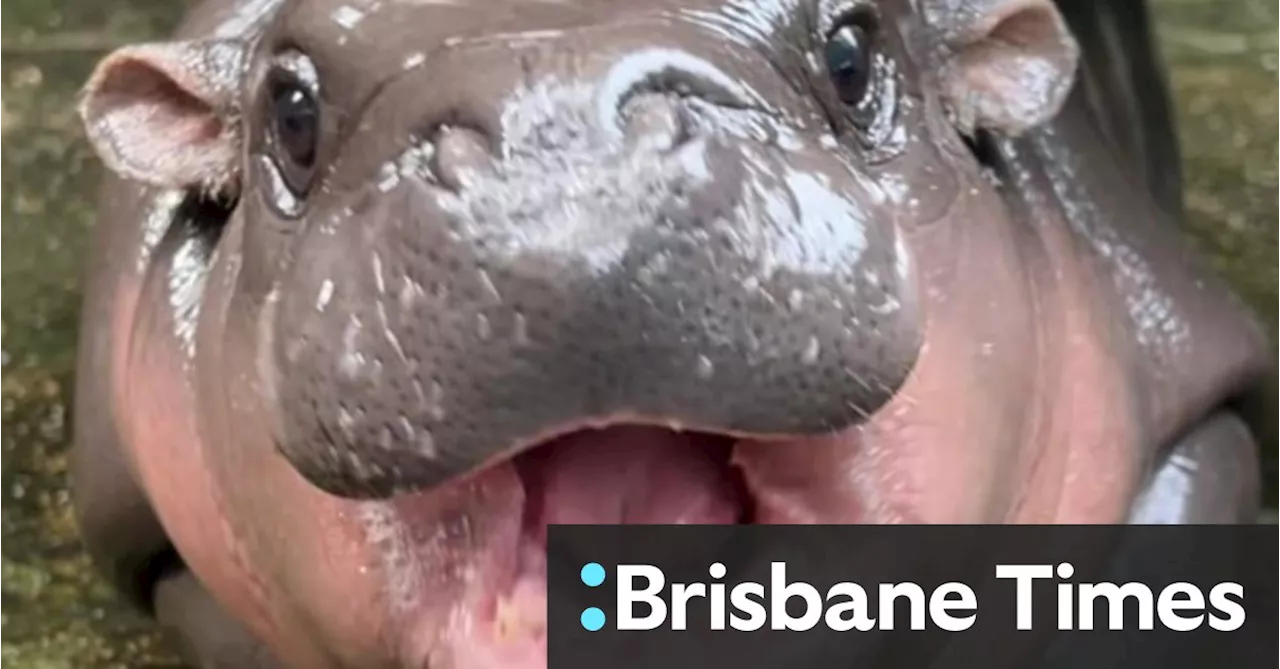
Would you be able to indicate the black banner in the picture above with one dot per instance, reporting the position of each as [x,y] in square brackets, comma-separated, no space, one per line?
[906,596]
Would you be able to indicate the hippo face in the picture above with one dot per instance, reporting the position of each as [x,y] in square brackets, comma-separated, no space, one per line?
[455,271]
[686,214]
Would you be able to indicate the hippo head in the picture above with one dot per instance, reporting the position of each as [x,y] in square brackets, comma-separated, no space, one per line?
[464,269]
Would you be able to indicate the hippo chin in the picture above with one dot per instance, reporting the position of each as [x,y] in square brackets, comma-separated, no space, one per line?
[382,288]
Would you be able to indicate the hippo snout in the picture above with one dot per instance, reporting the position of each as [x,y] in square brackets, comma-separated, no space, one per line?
[626,243]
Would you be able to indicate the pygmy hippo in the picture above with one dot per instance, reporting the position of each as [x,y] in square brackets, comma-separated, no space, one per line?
[381,288]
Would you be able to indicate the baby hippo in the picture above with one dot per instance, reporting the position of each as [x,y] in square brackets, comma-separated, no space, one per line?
[382,288]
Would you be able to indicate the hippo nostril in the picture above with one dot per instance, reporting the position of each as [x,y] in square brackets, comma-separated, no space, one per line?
[643,92]
[656,121]
[461,155]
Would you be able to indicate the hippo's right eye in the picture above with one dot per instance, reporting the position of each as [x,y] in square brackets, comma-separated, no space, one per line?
[292,127]
[860,70]
[848,55]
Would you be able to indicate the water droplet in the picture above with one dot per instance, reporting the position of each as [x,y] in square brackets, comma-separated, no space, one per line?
[437,401]
[406,428]
[346,16]
[350,360]
[345,422]
[414,60]
[483,329]
[795,300]
[420,394]
[379,282]
[427,444]
[385,438]
[388,177]
[811,351]
[357,467]
[705,368]
[408,293]
[326,293]
[522,330]
[487,282]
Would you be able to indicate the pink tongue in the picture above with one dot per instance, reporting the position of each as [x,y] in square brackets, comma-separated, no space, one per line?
[634,475]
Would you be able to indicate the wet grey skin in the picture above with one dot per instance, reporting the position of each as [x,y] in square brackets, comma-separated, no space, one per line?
[613,223]
[519,219]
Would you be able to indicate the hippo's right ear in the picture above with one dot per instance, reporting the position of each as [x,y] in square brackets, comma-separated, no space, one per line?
[1008,65]
[168,113]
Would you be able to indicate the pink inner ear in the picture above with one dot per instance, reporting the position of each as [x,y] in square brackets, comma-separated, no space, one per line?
[1036,30]
[1017,74]
[144,104]
[187,118]
[148,126]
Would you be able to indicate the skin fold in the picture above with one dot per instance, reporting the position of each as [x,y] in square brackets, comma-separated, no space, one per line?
[774,261]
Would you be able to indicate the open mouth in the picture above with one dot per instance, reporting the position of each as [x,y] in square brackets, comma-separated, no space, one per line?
[632,475]
[622,474]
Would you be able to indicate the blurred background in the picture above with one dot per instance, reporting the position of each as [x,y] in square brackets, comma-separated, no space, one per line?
[1222,60]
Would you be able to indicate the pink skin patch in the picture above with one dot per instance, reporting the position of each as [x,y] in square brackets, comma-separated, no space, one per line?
[171,464]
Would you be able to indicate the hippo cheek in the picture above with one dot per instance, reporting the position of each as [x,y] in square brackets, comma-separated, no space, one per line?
[311,566]
[954,445]
[171,460]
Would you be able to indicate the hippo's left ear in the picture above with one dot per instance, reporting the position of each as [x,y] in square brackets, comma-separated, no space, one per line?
[1007,65]
[167,113]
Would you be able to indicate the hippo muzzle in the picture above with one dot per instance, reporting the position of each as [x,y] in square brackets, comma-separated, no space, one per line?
[626,233]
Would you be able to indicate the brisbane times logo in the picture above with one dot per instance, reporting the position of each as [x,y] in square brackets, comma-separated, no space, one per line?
[645,601]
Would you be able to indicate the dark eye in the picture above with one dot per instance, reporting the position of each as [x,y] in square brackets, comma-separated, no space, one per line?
[293,128]
[849,63]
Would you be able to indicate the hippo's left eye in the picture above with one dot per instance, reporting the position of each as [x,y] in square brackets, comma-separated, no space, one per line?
[291,119]
[296,123]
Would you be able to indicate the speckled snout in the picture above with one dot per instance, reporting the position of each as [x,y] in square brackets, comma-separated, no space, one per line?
[583,237]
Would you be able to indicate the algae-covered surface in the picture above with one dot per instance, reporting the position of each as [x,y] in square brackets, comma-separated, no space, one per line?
[1222,67]
[57,613]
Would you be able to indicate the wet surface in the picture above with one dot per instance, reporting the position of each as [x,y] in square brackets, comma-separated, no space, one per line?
[58,614]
